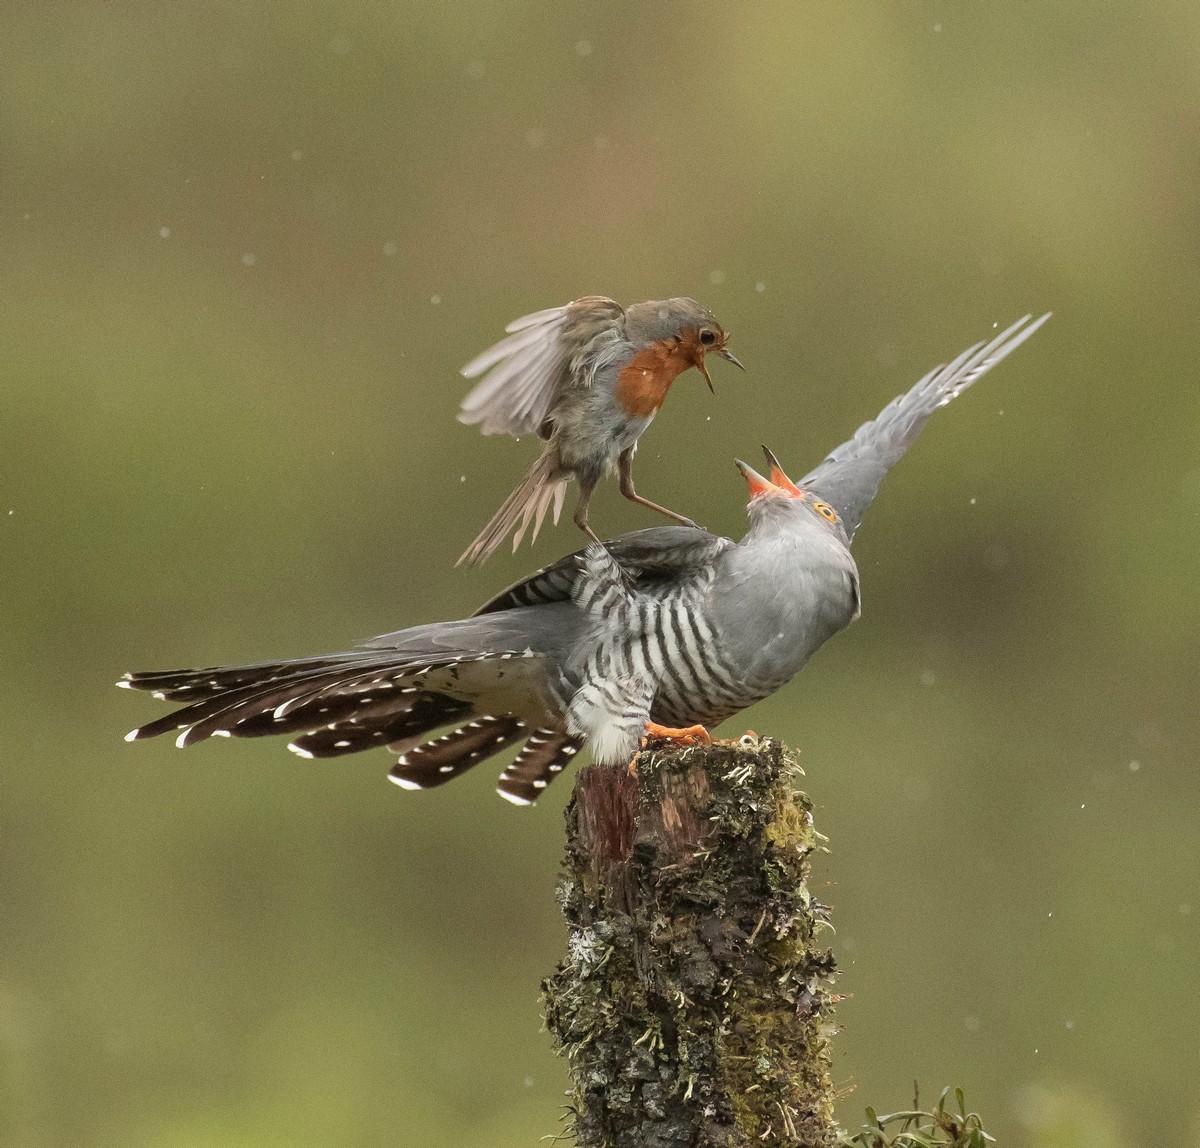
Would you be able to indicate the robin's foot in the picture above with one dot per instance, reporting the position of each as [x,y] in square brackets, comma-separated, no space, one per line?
[689,735]
[682,519]
[627,579]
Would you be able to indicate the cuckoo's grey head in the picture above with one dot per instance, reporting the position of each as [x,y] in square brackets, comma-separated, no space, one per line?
[681,327]
[778,499]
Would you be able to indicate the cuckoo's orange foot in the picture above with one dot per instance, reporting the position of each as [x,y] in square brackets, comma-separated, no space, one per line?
[689,735]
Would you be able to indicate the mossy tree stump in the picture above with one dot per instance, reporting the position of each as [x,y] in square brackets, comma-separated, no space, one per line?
[693,1004]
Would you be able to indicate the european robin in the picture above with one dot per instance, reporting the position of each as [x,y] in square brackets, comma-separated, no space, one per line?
[587,379]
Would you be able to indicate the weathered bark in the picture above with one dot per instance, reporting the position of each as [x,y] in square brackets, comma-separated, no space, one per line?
[693,1004]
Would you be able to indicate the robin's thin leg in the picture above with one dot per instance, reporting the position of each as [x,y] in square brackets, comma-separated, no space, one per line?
[625,473]
[581,520]
[581,511]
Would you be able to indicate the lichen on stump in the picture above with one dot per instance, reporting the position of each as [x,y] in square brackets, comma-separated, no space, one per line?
[693,1004]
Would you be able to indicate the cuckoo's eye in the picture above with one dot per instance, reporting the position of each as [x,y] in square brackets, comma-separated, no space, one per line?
[707,337]
[825,511]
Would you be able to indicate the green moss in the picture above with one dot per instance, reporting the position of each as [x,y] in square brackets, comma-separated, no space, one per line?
[693,1001]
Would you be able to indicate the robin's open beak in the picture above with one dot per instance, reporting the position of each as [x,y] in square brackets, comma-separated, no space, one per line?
[726,353]
[758,485]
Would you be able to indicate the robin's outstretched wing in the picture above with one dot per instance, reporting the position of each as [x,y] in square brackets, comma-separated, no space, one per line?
[657,553]
[849,477]
[523,374]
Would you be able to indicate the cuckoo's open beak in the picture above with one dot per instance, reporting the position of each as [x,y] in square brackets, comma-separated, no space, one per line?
[777,475]
[758,485]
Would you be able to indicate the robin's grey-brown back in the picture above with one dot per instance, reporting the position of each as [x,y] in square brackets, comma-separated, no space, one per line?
[588,379]
[665,630]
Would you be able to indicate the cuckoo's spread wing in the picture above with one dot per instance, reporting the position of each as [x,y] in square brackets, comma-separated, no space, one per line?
[657,553]
[849,477]
[523,374]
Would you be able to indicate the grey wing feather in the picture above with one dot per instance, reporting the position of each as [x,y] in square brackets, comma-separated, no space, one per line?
[464,638]
[523,374]
[659,552]
[849,477]
[649,555]
[533,319]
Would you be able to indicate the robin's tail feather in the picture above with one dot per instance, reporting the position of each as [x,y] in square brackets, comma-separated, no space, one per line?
[542,484]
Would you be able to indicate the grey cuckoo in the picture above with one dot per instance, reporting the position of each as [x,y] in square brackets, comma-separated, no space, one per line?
[664,629]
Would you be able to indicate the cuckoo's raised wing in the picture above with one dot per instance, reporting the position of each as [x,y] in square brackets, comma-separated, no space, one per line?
[657,553]
[849,477]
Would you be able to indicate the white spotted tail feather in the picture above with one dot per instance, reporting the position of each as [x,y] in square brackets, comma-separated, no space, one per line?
[546,754]
[443,759]
[374,698]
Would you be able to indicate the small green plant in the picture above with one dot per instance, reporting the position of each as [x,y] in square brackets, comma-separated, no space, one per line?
[941,1127]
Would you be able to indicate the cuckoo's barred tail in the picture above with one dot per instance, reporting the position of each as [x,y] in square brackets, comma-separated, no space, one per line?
[545,755]
[542,485]
[347,703]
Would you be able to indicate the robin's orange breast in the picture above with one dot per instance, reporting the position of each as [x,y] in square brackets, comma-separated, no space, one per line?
[643,384]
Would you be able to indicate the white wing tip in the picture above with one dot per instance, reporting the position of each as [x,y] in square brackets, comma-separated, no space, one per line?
[403,782]
[126,683]
[132,735]
[300,751]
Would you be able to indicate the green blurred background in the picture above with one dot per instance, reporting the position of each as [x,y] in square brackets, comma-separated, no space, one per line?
[244,248]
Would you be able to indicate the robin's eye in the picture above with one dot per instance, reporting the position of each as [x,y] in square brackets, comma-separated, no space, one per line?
[825,511]
[707,337]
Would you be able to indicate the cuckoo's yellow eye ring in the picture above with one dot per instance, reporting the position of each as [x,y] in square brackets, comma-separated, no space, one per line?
[825,511]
